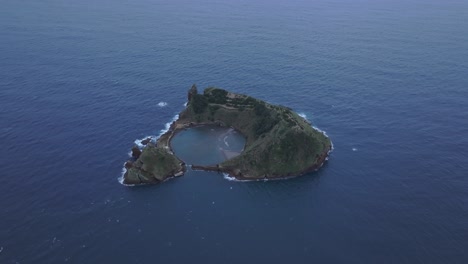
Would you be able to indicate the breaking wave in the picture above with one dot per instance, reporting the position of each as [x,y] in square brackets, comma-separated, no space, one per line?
[121,178]
[234,179]
[303,116]
[138,142]
[153,138]
[162,104]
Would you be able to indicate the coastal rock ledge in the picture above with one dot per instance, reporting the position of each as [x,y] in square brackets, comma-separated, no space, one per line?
[279,143]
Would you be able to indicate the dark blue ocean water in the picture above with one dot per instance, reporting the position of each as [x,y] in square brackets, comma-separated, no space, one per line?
[386,79]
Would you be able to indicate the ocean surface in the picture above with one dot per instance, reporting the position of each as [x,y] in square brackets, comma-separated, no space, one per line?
[80,81]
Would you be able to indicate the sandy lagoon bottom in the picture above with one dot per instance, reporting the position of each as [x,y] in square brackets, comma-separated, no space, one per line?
[207,145]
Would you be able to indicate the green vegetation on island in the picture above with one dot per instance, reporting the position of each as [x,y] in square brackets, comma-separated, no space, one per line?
[279,143]
[153,165]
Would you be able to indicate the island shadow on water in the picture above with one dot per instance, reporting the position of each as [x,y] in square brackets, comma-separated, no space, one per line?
[207,144]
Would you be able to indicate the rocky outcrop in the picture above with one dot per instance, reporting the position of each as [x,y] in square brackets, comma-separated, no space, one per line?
[136,152]
[192,92]
[154,165]
[146,141]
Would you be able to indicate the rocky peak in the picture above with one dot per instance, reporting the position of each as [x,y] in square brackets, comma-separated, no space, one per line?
[192,91]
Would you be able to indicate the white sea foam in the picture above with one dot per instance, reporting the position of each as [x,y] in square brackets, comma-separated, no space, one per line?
[121,178]
[162,104]
[137,142]
[325,134]
[354,149]
[153,137]
[234,179]
[303,116]
[320,130]
[168,125]
[229,177]
[225,141]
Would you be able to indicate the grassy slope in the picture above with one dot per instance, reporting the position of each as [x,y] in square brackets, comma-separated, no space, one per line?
[154,165]
[279,142]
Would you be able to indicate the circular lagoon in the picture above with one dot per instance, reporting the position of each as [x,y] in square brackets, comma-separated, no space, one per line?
[207,145]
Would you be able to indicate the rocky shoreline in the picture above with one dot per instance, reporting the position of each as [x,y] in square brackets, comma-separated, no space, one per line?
[239,176]
[164,141]
[176,126]
[279,143]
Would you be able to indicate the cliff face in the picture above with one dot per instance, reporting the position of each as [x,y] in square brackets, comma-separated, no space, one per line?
[192,92]
[279,143]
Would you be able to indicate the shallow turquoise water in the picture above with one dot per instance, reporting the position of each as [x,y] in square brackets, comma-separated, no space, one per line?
[207,145]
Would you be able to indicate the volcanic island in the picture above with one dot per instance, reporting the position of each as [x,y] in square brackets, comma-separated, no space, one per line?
[279,142]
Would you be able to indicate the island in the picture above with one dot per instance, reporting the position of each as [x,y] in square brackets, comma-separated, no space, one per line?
[279,142]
